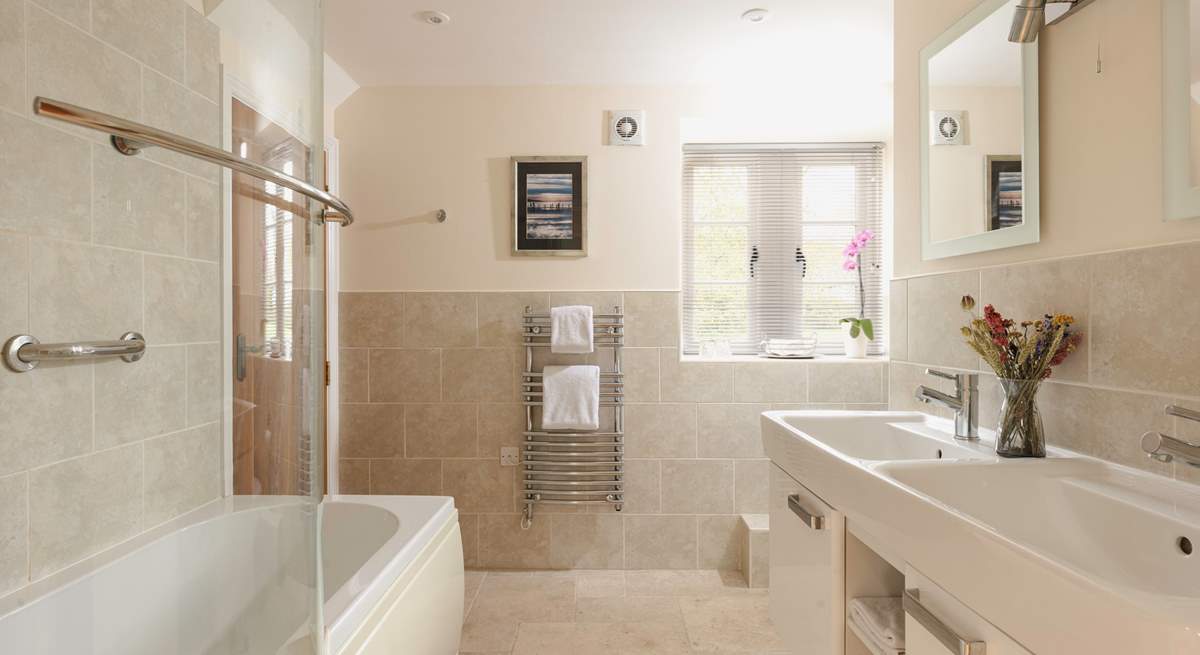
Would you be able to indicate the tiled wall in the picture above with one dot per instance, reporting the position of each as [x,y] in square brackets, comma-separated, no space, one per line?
[1141,348]
[429,388]
[93,244]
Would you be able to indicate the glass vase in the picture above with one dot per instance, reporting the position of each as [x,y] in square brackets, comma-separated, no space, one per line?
[1020,431]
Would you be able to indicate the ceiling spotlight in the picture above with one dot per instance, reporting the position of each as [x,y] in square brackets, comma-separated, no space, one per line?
[433,17]
[755,16]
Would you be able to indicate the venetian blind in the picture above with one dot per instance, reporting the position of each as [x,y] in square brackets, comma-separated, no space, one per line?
[763,232]
[277,267]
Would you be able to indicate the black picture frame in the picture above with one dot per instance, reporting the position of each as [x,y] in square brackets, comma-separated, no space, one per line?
[550,206]
[1005,188]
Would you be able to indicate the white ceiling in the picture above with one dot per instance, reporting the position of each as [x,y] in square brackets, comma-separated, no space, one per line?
[620,42]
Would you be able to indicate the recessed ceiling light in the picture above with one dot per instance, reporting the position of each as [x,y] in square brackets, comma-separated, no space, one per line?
[756,16]
[433,17]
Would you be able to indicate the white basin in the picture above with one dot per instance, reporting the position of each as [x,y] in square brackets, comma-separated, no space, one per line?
[882,436]
[1129,530]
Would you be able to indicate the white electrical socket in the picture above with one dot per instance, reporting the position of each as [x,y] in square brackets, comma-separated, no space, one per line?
[509,456]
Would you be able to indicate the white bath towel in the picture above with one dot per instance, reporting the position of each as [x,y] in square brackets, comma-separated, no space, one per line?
[572,397]
[879,622]
[571,329]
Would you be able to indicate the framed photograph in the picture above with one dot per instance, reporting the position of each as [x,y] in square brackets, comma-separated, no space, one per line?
[550,206]
[1005,199]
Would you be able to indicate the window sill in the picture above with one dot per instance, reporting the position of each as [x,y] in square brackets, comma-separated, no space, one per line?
[871,359]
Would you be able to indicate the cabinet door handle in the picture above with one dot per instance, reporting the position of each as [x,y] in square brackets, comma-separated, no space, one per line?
[953,641]
[813,521]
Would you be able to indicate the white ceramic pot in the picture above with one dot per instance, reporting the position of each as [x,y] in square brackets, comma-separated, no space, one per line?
[856,347]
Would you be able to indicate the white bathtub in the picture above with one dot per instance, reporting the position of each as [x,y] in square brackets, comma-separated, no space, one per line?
[234,577]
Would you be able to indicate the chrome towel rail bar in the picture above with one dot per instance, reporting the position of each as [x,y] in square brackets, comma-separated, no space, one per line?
[23,352]
[130,138]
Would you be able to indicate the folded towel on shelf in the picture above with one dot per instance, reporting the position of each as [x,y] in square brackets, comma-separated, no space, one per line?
[571,329]
[571,397]
[879,622]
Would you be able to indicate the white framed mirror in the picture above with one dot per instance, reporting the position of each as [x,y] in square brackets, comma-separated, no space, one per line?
[979,137]
[1181,109]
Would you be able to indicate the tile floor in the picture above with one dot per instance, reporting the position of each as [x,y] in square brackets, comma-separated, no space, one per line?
[615,613]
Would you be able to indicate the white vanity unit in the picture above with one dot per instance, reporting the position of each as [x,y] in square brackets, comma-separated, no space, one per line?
[1059,556]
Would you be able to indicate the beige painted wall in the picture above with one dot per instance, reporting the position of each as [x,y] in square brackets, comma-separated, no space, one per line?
[956,173]
[1100,134]
[406,152]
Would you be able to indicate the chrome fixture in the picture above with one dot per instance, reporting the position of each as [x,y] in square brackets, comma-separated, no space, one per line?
[1164,448]
[130,138]
[1029,18]
[953,641]
[964,402]
[813,521]
[23,353]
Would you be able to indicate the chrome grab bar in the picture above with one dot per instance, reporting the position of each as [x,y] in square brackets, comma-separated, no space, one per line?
[813,521]
[23,352]
[129,138]
[938,628]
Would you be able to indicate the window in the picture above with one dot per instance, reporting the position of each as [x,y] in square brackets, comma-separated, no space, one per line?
[277,268]
[763,231]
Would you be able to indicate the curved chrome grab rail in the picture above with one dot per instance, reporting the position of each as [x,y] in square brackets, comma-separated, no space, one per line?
[129,138]
[23,352]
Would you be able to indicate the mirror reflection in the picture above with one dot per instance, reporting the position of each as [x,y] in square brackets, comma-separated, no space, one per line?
[976,132]
[1194,88]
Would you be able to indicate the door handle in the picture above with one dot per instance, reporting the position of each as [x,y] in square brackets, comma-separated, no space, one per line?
[813,521]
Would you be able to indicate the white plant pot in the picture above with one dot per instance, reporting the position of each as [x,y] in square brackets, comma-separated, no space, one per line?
[856,347]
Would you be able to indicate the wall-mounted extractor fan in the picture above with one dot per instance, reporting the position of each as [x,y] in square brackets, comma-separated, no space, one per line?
[947,128]
[627,127]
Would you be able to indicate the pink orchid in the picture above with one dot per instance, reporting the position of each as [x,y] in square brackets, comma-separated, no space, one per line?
[849,265]
[851,249]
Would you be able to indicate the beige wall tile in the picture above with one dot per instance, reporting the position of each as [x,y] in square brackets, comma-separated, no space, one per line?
[480,485]
[68,65]
[846,382]
[352,375]
[204,383]
[720,543]
[170,106]
[137,204]
[1138,318]
[440,430]
[903,380]
[640,366]
[182,301]
[81,506]
[691,486]
[182,472]
[652,318]
[586,541]
[468,525]
[479,374]
[898,320]
[14,531]
[666,430]
[692,381]
[1027,292]
[503,544]
[727,430]
[405,375]
[79,292]
[374,430]
[750,486]
[935,316]
[354,476]
[370,319]
[660,542]
[440,320]
[46,415]
[14,294]
[203,57]
[415,477]
[76,12]
[12,55]
[643,486]
[500,424]
[770,382]
[151,30]
[500,316]
[47,180]
[1103,423]
[158,382]
[203,220]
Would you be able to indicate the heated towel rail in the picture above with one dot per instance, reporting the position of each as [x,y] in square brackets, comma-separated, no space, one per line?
[574,467]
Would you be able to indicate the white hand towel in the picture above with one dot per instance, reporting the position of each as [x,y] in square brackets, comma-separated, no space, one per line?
[572,397]
[880,621]
[571,329]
